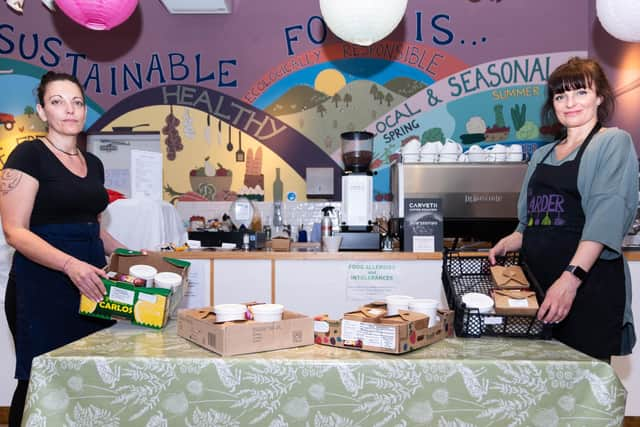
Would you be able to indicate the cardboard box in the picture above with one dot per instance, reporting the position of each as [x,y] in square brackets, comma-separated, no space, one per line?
[149,307]
[511,277]
[515,301]
[231,338]
[280,244]
[398,334]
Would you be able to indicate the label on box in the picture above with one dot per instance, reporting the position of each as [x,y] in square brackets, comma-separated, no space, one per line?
[370,334]
[146,297]
[520,303]
[122,296]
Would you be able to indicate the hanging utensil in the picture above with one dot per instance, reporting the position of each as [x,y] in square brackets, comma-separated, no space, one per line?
[207,131]
[219,132]
[128,128]
[239,153]
[229,144]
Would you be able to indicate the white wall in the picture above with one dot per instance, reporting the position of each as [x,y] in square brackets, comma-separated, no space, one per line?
[628,367]
[7,353]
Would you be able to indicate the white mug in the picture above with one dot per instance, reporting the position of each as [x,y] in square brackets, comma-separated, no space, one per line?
[411,147]
[451,147]
[498,153]
[475,153]
[432,147]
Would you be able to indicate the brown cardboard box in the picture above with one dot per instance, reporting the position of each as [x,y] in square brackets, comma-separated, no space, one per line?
[149,307]
[515,301]
[280,244]
[360,330]
[230,338]
[511,277]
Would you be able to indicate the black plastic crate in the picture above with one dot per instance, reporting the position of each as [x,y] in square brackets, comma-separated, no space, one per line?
[470,273]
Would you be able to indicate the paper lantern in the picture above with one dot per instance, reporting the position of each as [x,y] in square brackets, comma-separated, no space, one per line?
[98,14]
[362,22]
[620,18]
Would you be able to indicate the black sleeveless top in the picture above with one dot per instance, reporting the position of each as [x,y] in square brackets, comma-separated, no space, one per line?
[62,197]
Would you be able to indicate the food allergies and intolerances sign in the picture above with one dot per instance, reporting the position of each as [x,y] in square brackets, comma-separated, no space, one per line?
[423,228]
[370,281]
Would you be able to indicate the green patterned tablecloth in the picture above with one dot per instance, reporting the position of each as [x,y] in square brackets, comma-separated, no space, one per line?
[131,376]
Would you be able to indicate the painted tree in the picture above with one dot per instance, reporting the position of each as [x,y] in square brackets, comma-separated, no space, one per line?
[28,110]
[347,98]
[389,99]
[321,110]
[336,99]
[379,97]
[374,91]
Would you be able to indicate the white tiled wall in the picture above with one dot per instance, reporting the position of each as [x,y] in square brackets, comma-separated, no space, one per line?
[294,213]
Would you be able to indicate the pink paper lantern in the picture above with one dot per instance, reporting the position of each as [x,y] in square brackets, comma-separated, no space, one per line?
[98,14]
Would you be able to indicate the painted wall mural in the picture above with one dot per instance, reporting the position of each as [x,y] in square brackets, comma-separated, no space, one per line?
[276,90]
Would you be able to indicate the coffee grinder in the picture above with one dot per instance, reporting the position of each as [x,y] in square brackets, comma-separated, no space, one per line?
[357,193]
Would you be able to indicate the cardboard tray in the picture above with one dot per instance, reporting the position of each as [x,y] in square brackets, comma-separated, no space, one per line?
[359,330]
[150,307]
[230,338]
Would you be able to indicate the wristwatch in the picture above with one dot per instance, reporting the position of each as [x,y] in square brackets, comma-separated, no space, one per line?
[577,271]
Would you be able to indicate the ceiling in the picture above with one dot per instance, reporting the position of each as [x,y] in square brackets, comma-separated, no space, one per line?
[198,6]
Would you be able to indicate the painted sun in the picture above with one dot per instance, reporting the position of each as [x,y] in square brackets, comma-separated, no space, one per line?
[329,81]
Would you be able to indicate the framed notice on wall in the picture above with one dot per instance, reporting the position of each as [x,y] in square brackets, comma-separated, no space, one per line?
[115,151]
[423,228]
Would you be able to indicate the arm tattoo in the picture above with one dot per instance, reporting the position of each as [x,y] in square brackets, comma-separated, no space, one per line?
[9,180]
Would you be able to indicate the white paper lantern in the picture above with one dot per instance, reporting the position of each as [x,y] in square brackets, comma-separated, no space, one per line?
[362,22]
[620,18]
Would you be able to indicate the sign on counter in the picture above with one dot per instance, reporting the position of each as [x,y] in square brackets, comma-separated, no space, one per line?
[370,281]
[423,225]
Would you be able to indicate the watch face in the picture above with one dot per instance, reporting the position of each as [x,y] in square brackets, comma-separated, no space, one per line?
[577,271]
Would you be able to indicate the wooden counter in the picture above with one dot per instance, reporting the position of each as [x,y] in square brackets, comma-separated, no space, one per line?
[630,255]
[306,255]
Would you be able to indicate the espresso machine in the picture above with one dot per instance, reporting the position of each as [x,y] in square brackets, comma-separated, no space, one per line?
[479,200]
[357,193]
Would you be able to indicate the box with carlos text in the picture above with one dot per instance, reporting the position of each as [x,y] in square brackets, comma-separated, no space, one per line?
[368,329]
[247,336]
[145,306]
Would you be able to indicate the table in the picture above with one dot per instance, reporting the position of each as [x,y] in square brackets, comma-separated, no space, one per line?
[131,376]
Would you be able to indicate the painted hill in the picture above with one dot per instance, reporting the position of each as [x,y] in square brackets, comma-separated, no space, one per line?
[353,107]
[297,99]
[405,86]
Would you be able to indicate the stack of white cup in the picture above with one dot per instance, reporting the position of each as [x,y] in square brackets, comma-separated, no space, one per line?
[495,153]
[430,151]
[411,151]
[515,153]
[450,152]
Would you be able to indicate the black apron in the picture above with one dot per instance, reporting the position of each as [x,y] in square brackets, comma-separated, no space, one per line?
[46,301]
[555,220]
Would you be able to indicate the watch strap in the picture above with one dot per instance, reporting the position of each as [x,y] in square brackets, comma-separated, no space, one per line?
[577,271]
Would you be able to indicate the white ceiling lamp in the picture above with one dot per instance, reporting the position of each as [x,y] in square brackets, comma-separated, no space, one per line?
[620,18]
[362,22]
